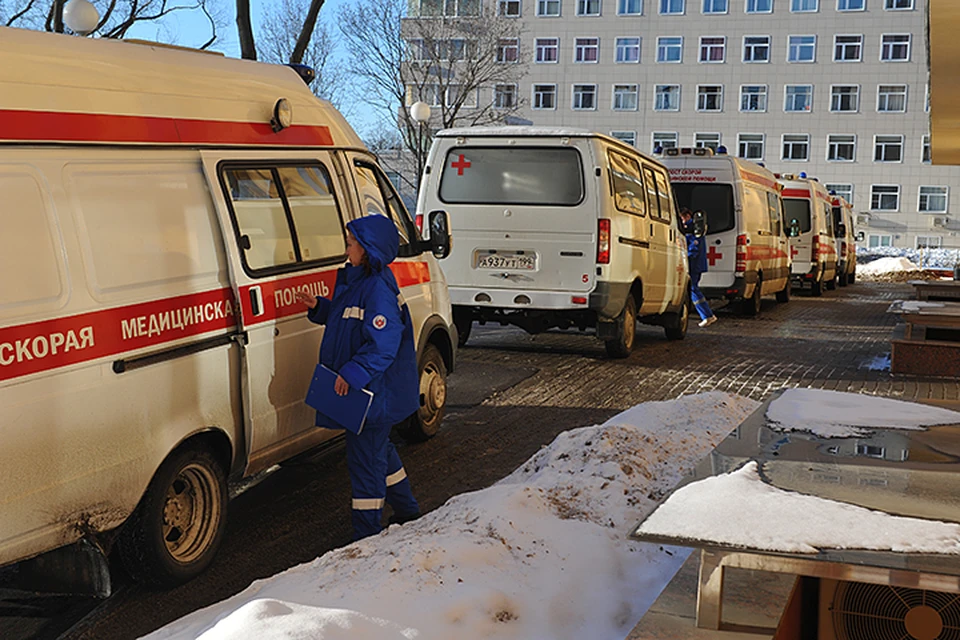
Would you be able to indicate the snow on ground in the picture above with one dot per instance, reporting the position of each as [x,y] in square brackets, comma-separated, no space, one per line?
[924,258]
[739,509]
[542,554]
[886,265]
[832,414]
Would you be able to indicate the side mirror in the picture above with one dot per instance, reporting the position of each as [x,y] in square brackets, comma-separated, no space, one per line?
[699,223]
[841,229]
[861,236]
[439,240]
[794,228]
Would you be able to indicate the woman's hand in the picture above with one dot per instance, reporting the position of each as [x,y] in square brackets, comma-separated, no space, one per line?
[307,299]
[341,386]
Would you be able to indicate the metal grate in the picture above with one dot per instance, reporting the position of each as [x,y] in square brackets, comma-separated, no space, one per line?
[880,612]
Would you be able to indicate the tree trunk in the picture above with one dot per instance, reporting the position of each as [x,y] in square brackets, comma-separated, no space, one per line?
[309,24]
[248,50]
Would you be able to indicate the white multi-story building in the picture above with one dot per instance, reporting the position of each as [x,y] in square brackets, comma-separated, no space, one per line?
[837,89]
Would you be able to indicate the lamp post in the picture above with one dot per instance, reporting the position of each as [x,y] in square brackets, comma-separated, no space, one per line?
[420,112]
[81,17]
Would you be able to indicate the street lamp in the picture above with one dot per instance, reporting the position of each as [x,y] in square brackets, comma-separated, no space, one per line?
[420,112]
[81,17]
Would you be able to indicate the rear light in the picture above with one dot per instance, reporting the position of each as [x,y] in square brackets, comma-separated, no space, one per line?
[843,249]
[578,300]
[741,261]
[815,249]
[419,222]
[603,241]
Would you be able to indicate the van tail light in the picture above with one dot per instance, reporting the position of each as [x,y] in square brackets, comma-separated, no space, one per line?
[419,222]
[741,262]
[843,249]
[603,241]
[815,249]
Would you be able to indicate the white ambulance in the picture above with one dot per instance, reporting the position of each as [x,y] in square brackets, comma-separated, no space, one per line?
[846,241]
[748,252]
[813,249]
[558,227]
[162,208]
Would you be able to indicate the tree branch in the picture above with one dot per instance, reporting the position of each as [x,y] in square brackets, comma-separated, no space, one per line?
[309,24]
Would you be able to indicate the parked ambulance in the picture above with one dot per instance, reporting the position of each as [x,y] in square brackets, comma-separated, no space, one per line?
[846,241]
[161,209]
[813,249]
[748,253]
[558,227]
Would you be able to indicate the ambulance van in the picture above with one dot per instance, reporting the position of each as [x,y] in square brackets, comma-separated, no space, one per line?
[845,236]
[162,207]
[813,249]
[558,227]
[748,253]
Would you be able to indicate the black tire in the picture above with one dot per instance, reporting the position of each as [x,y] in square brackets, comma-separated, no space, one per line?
[852,276]
[783,296]
[622,345]
[425,423]
[751,306]
[175,531]
[677,329]
[816,289]
[842,280]
[831,284]
[464,323]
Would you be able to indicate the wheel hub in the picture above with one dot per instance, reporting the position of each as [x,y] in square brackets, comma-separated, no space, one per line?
[433,390]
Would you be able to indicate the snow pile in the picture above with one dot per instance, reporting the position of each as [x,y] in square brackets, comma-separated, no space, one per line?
[738,509]
[542,554]
[886,265]
[924,258]
[832,414]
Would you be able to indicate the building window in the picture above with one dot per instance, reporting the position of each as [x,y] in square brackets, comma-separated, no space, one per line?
[892,98]
[759,6]
[544,96]
[850,5]
[802,49]
[667,97]
[710,97]
[665,140]
[454,93]
[929,242]
[505,96]
[896,5]
[670,49]
[753,97]
[630,8]
[847,48]
[798,6]
[845,98]
[874,241]
[508,8]
[933,200]
[756,48]
[670,7]
[625,97]
[925,151]
[926,103]
[887,148]
[547,50]
[712,48]
[799,97]
[714,6]
[885,197]
[630,137]
[841,147]
[548,8]
[588,7]
[586,50]
[845,191]
[895,47]
[508,50]
[750,146]
[796,146]
[584,97]
[628,50]
[434,9]
[708,140]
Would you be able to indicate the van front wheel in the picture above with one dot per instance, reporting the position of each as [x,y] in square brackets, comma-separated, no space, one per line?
[176,529]
[622,345]
[425,423]
[677,329]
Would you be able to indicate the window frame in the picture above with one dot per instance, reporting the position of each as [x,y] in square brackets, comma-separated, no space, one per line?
[831,144]
[584,5]
[636,97]
[661,47]
[657,93]
[656,136]
[878,145]
[622,3]
[539,47]
[706,49]
[799,47]
[619,46]
[862,7]
[834,96]
[926,149]
[794,3]
[846,45]
[700,144]
[765,95]
[889,47]
[714,12]
[762,142]
[705,96]
[504,8]
[668,3]
[887,5]
[945,195]
[748,11]
[874,193]
[574,95]
[841,192]
[786,96]
[753,46]
[579,49]
[885,97]
[632,133]
[506,45]
[499,90]
[783,142]
[542,5]
[535,94]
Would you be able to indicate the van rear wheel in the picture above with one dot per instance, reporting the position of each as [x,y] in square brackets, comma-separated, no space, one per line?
[751,306]
[784,294]
[425,423]
[463,320]
[831,283]
[816,289]
[677,329]
[176,529]
[622,345]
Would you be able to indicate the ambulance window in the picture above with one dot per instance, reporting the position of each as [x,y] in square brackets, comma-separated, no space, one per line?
[773,208]
[261,218]
[828,219]
[626,182]
[653,199]
[798,209]
[379,198]
[26,246]
[663,193]
[715,200]
[316,218]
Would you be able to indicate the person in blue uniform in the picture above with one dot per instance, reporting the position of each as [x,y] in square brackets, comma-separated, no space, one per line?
[697,259]
[368,340]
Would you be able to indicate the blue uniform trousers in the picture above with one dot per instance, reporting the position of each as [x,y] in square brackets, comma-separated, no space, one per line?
[696,296]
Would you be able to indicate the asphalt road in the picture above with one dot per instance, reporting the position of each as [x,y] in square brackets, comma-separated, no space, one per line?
[511,394]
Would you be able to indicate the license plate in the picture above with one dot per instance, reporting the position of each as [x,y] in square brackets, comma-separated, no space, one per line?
[498,260]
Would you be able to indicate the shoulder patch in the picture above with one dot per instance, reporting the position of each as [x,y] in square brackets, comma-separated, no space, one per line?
[379,322]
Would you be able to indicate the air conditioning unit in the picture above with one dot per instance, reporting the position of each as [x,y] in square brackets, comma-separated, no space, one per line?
[939,221]
[863,218]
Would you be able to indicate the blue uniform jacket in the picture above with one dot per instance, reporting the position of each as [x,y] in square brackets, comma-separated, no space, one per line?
[369,334]
[696,251]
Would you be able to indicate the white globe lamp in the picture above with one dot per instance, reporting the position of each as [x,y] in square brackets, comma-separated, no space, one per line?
[81,16]
[419,111]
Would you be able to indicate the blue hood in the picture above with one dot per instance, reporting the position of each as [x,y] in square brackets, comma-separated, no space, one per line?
[379,238]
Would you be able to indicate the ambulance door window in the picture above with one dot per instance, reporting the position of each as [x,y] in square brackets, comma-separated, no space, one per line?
[261,218]
[653,199]
[626,183]
[377,197]
[663,195]
[316,218]
[773,210]
[828,220]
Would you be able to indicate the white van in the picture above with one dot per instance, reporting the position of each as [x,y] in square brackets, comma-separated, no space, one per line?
[813,249]
[162,208]
[846,241]
[748,252]
[558,227]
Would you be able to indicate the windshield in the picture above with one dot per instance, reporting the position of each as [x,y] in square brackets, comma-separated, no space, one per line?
[495,175]
[715,200]
[799,210]
[837,221]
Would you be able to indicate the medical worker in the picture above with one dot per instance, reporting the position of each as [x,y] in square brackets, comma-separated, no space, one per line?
[368,340]
[697,258]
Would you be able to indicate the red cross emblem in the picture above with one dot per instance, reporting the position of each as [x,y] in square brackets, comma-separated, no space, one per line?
[379,322]
[461,164]
[793,251]
[713,255]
